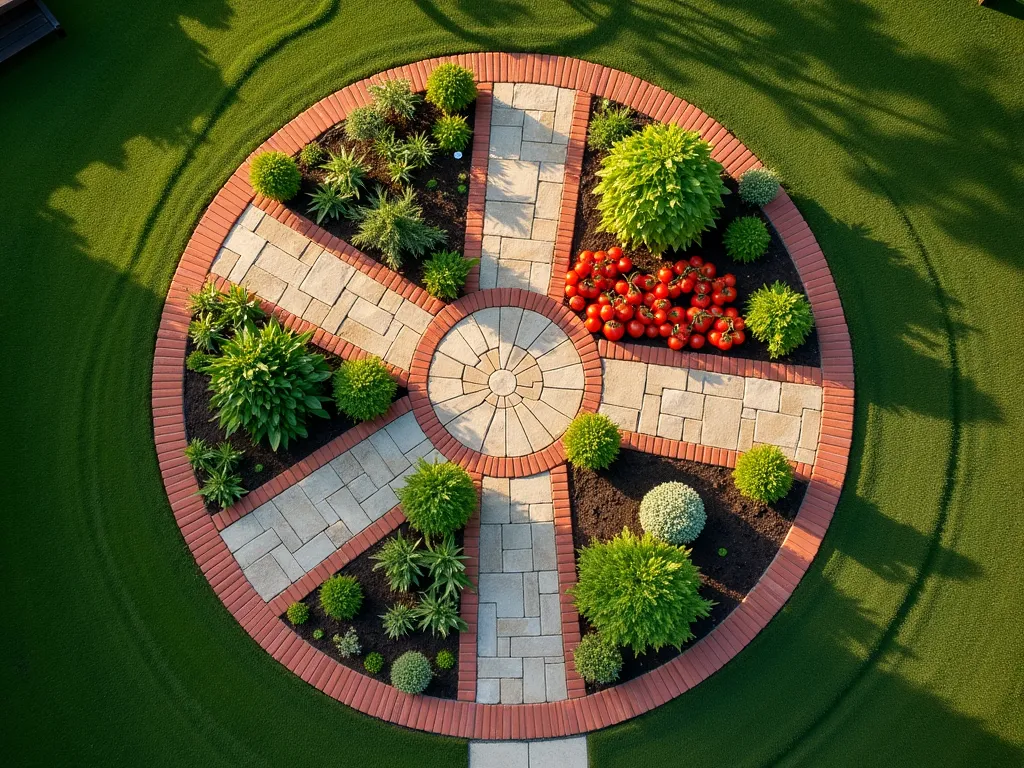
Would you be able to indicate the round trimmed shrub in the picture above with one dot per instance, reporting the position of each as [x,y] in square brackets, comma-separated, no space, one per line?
[364,388]
[597,660]
[275,175]
[673,512]
[411,672]
[451,88]
[312,155]
[438,498]
[373,663]
[763,473]
[780,317]
[341,597]
[451,132]
[298,613]
[659,187]
[759,186]
[592,441]
[445,659]
[746,239]
[364,124]
[639,592]
[197,360]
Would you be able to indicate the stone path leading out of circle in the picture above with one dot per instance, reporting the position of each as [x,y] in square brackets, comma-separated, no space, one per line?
[551,753]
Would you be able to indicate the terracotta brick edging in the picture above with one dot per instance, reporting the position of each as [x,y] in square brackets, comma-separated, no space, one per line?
[570,195]
[464,718]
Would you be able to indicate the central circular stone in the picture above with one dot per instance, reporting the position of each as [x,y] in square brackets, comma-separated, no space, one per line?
[502,382]
[505,381]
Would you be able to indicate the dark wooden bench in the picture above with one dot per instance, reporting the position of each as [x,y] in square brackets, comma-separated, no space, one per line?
[22,23]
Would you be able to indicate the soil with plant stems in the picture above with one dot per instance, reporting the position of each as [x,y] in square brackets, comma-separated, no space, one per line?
[443,206]
[774,265]
[377,598]
[260,464]
[751,532]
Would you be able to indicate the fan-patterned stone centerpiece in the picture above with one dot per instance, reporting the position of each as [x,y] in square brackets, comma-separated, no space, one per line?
[506,381]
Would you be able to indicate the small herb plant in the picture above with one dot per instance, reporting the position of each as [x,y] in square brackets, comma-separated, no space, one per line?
[298,613]
[445,659]
[373,663]
[394,100]
[395,227]
[608,125]
[399,620]
[445,273]
[341,597]
[746,239]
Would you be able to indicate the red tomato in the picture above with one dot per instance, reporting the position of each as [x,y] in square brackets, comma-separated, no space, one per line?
[700,321]
[661,304]
[725,342]
[674,289]
[577,303]
[738,336]
[725,296]
[722,324]
[615,252]
[696,261]
[738,323]
[583,268]
[677,314]
[610,270]
[719,298]
[716,310]
[600,256]
[635,296]
[635,329]
[621,287]
[665,330]
[603,299]
[651,331]
[607,312]
[732,312]
[679,268]
[594,310]
[572,277]
[708,270]
[623,312]
[701,300]
[593,324]
[614,330]
[674,342]
[601,281]
[713,338]
[660,316]
[729,279]
[644,315]
[688,284]
[717,284]
[571,290]
[586,256]
[702,286]
[644,282]
[665,275]
[661,291]
[649,299]
[696,341]
[625,264]
[588,290]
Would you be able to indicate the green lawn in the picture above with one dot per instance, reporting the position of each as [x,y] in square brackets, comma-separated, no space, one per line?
[899,128]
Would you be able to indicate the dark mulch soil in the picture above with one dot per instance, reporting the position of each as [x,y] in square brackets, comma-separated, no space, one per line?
[377,598]
[444,206]
[603,503]
[774,265]
[201,421]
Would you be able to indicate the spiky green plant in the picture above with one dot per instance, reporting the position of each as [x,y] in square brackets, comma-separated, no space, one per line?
[226,456]
[399,620]
[608,125]
[205,332]
[345,172]
[364,124]
[395,227]
[402,561]
[200,454]
[207,300]
[780,317]
[400,170]
[419,150]
[328,203]
[222,488]
[439,615]
[239,307]
[395,100]
[445,273]
[446,565]
[311,155]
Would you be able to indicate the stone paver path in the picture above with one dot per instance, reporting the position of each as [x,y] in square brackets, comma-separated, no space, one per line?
[283,539]
[506,382]
[549,753]
[519,623]
[284,267]
[714,409]
[525,174]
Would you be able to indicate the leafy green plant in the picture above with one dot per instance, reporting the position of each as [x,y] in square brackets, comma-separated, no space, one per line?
[445,273]
[445,659]
[197,361]
[205,332]
[341,597]
[431,184]
[438,498]
[387,145]
[592,441]
[402,561]
[207,300]
[364,124]
[763,473]
[199,454]
[746,239]
[258,468]
[328,203]
[608,125]
[597,660]
[318,634]
[364,388]
[226,456]
[345,172]
[439,615]
[673,512]
[348,645]
[268,383]
[238,307]
[373,663]
[722,551]
[411,672]
[419,150]
[400,170]
[451,88]
[395,100]
[395,227]
[222,488]
[659,187]
[398,620]
[447,568]
[759,186]
[462,189]
[298,613]
[780,317]
[639,592]
[275,175]
[312,155]
[452,133]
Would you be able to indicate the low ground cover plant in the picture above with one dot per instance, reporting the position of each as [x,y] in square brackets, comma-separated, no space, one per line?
[759,186]
[746,239]
[780,317]
[673,512]
[597,660]
[445,273]
[364,388]
[608,125]
[395,227]
[451,88]
[341,597]
[763,473]
[275,175]
[451,132]
[592,441]
[348,645]
[411,672]
[438,498]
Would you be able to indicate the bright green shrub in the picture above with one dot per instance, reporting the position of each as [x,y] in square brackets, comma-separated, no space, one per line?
[438,498]
[402,561]
[452,133]
[400,170]
[341,597]
[608,125]
[411,672]
[445,659]
[446,566]
[388,145]
[364,388]
[268,383]
[239,307]
[348,645]
[222,488]
[318,634]
[312,155]
[207,300]
[592,441]
[364,124]
[394,99]
[597,660]
[759,186]
[196,361]
[275,175]
[345,172]
[445,273]
[763,473]
[398,620]
[746,239]
[639,592]
[298,613]
[659,187]
[780,317]
[328,203]
[373,663]
[439,614]
[451,88]
[673,512]
[226,456]
[395,227]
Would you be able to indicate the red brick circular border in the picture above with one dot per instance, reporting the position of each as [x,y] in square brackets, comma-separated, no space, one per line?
[451,447]
[460,718]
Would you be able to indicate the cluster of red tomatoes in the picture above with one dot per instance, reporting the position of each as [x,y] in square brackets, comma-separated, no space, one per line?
[619,301]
